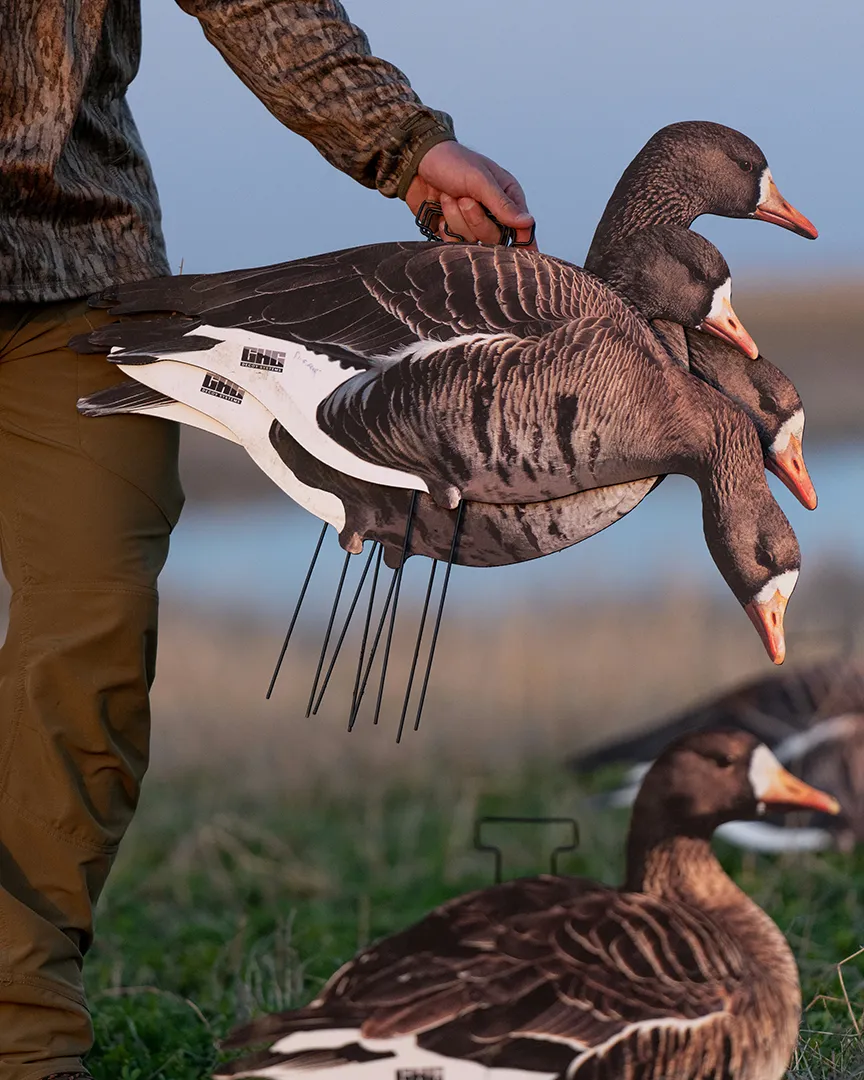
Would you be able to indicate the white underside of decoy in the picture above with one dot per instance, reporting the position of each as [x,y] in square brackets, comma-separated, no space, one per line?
[291,381]
[244,416]
[409,1059]
[185,414]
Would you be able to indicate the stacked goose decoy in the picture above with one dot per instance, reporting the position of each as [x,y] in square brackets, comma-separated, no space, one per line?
[675,974]
[490,405]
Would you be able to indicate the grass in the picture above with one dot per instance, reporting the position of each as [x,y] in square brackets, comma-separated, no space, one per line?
[218,910]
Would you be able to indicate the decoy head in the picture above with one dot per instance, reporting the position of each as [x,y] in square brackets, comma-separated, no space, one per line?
[749,537]
[673,273]
[707,778]
[770,400]
[721,171]
[785,458]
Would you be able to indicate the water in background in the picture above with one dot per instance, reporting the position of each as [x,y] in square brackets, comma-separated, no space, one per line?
[256,556]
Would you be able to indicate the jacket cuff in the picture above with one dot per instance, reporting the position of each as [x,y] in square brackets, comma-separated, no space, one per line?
[425,129]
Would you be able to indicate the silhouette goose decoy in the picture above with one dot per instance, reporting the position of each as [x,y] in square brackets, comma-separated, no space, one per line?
[583,396]
[812,720]
[676,973]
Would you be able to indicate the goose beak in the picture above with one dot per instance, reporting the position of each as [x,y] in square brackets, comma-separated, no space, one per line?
[788,465]
[725,324]
[784,789]
[767,617]
[774,208]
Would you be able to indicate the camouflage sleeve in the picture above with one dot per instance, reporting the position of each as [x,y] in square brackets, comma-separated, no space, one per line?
[314,71]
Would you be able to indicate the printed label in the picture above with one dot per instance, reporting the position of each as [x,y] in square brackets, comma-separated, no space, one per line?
[263,359]
[434,1073]
[221,388]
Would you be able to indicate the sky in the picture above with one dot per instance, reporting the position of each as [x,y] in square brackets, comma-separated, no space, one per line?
[561,92]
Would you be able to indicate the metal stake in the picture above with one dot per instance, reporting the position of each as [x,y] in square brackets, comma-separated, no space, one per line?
[296,611]
[416,650]
[348,618]
[336,599]
[400,570]
[443,597]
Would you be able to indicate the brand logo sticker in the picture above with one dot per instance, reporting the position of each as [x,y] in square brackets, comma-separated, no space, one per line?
[263,359]
[221,388]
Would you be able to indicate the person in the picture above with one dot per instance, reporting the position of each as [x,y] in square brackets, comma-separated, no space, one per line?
[87,506]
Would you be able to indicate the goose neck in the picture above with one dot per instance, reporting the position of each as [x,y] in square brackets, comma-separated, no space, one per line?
[679,868]
[649,193]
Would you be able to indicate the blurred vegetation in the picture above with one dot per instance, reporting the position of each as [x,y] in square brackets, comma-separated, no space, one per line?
[223,907]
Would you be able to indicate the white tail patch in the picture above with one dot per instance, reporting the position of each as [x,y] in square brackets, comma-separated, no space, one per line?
[782,583]
[794,426]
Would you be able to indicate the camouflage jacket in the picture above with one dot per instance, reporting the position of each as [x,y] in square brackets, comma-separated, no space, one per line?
[78,205]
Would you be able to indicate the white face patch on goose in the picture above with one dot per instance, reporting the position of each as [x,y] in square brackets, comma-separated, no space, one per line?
[763,769]
[783,583]
[794,426]
[721,299]
[765,181]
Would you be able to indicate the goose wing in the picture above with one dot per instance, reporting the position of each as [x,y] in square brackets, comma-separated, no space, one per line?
[489,314]
[377,299]
[598,981]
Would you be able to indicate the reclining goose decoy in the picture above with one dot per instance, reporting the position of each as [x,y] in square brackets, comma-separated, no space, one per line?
[675,973]
[538,413]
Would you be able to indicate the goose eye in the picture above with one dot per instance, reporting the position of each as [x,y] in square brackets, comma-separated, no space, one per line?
[745,166]
[725,761]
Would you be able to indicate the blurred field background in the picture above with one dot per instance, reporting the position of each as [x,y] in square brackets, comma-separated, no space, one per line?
[268,847]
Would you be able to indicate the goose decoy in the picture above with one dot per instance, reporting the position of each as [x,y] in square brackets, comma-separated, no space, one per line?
[578,394]
[683,171]
[812,720]
[688,169]
[676,973]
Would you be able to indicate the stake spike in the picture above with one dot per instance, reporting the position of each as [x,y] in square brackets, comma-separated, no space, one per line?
[420,630]
[365,634]
[341,638]
[296,611]
[460,511]
[329,630]
[399,571]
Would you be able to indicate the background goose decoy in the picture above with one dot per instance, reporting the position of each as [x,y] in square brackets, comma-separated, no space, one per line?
[677,973]
[813,721]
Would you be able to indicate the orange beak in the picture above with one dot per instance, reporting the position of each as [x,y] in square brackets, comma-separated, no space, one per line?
[767,617]
[784,789]
[727,326]
[775,209]
[788,465]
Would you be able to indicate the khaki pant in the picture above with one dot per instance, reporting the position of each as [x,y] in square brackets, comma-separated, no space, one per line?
[86,508]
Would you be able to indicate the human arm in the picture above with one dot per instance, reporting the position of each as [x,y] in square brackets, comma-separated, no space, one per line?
[313,69]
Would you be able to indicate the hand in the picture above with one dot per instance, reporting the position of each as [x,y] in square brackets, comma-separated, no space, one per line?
[464,182]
